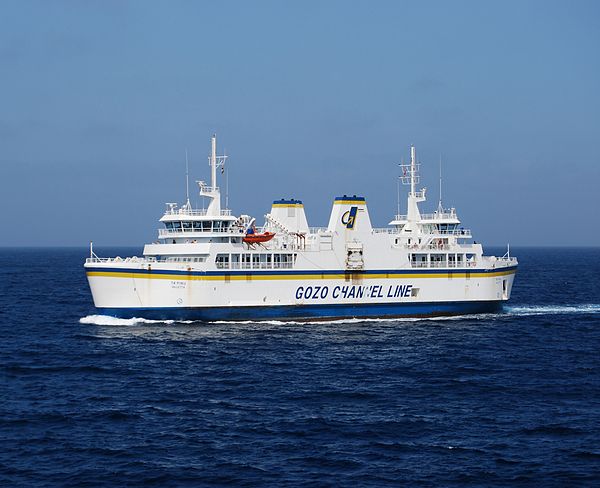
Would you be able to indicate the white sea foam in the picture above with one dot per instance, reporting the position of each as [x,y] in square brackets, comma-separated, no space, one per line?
[352,320]
[108,320]
[521,310]
[584,308]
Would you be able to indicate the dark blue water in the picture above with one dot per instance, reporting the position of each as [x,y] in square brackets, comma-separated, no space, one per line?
[485,400]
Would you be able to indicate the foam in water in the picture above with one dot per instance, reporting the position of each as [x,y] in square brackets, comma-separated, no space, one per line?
[552,309]
[522,310]
[108,320]
[352,320]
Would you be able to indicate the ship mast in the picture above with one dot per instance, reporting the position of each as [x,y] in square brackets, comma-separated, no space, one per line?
[410,176]
[213,162]
[188,205]
[413,169]
[212,191]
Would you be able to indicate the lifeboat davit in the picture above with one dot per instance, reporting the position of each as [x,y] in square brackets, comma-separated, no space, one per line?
[258,238]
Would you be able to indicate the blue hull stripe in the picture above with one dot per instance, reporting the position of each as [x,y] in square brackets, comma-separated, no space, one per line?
[308,312]
[420,271]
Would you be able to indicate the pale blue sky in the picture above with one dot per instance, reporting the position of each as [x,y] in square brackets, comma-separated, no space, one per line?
[98,101]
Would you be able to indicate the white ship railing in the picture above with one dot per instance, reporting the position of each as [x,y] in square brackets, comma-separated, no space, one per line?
[507,260]
[221,265]
[317,230]
[149,260]
[118,259]
[456,232]
[442,264]
[485,261]
[431,216]
[175,232]
[385,230]
[466,233]
[200,212]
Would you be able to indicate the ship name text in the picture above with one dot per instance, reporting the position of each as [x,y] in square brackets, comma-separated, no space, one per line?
[353,291]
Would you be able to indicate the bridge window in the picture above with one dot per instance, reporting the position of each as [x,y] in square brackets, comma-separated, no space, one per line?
[222,261]
[418,260]
[437,260]
[220,225]
[184,259]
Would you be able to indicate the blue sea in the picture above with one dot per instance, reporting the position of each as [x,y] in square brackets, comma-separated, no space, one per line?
[486,400]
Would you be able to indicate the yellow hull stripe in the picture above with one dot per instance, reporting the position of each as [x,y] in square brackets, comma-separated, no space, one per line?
[312,276]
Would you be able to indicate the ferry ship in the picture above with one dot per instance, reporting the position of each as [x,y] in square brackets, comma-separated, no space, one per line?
[210,265]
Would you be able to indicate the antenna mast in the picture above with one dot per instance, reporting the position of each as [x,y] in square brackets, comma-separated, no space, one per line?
[187,179]
[398,188]
[225,170]
[212,191]
[413,168]
[440,207]
[215,162]
[410,176]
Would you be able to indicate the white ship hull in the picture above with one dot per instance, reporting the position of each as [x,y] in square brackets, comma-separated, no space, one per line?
[296,294]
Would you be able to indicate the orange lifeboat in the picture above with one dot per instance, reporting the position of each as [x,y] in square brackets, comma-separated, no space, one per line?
[258,238]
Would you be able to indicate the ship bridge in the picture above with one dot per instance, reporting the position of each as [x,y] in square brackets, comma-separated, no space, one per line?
[191,231]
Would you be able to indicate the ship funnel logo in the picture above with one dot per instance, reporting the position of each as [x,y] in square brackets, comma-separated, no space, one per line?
[349,217]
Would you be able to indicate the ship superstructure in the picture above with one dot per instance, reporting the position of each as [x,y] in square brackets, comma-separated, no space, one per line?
[209,264]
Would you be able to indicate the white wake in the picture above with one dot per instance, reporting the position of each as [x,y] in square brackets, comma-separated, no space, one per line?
[109,320]
[584,308]
[518,310]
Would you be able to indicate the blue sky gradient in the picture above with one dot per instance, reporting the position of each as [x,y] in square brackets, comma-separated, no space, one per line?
[312,99]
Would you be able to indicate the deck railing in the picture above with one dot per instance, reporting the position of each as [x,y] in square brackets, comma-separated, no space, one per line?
[175,232]
[119,259]
[431,216]
[262,265]
[466,233]
[194,212]
[317,230]
[443,264]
